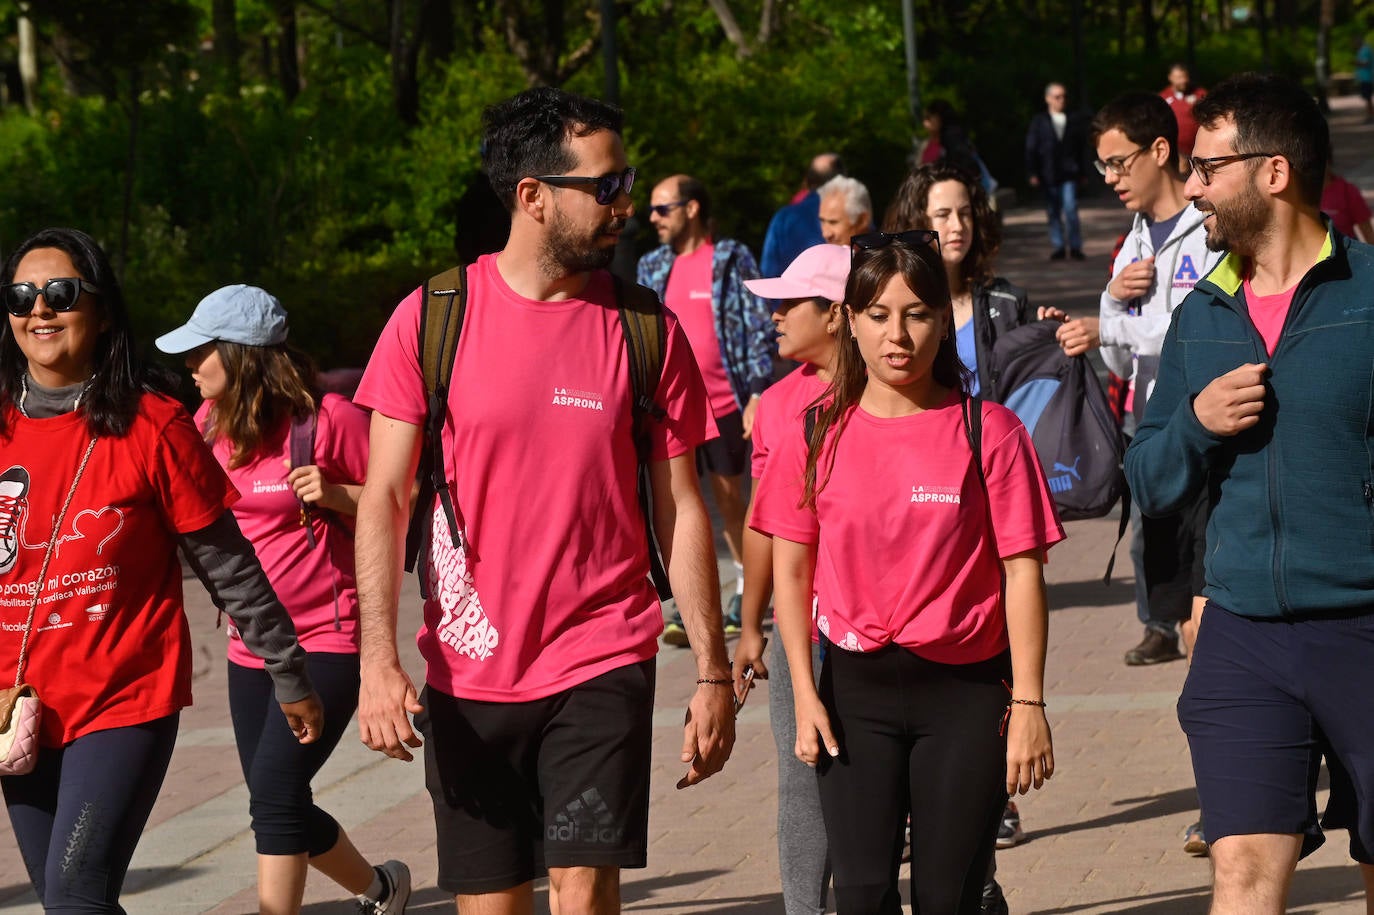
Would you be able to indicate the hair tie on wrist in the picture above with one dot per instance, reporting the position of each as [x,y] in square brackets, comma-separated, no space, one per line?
[715,681]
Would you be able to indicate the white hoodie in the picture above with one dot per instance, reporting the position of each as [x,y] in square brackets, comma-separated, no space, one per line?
[1136,328]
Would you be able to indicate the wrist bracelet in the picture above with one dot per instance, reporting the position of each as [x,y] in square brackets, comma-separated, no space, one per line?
[1006,716]
[715,681]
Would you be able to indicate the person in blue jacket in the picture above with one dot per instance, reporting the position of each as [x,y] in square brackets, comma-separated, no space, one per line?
[1265,400]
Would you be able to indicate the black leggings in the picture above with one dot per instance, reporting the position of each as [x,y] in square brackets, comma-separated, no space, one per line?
[920,737]
[277,767]
[78,815]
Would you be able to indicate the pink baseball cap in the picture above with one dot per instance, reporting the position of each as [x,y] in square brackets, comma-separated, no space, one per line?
[819,272]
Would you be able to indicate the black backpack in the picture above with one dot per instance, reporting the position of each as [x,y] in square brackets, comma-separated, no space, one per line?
[443,305]
[1062,405]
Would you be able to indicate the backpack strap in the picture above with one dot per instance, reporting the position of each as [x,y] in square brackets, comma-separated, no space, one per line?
[302,453]
[973,431]
[443,303]
[646,334]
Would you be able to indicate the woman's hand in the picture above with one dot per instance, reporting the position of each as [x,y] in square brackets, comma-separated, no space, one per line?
[312,488]
[813,730]
[305,717]
[1030,749]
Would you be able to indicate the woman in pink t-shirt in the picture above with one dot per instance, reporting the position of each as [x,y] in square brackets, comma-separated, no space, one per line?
[883,514]
[298,458]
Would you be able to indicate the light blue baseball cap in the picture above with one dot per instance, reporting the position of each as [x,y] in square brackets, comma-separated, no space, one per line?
[236,314]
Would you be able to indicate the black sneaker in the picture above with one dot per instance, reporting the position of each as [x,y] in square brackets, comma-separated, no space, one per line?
[994,903]
[1076,254]
[1057,255]
[1156,648]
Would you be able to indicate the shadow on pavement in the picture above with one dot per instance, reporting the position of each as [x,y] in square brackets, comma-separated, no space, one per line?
[1090,593]
[1171,803]
[1317,886]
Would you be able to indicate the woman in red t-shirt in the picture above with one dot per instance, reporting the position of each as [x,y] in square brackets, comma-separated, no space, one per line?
[106,477]
[299,457]
[883,515]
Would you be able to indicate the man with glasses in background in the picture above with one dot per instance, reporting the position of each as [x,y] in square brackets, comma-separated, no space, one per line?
[1264,400]
[700,279]
[1054,163]
[541,627]
[1161,259]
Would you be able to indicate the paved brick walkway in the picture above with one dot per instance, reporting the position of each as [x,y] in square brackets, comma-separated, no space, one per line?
[1104,836]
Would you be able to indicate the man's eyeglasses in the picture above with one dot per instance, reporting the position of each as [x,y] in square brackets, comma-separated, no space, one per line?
[1117,165]
[608,187]
[663,209]
[1206,168]
[914,239]
[61,294]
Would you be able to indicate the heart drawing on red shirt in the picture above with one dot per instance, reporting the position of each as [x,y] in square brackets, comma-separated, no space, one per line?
[100,525]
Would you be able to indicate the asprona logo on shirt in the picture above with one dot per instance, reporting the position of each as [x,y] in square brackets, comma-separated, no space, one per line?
[938,495]
[464,625]
[260,486]
[571,397]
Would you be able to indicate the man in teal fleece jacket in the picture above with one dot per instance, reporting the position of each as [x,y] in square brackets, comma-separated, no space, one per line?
[1265,398]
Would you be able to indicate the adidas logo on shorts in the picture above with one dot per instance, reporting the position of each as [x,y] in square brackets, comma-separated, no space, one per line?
[588,820]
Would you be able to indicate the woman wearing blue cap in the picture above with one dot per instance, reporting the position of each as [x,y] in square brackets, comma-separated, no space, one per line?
[298,457]
[106,476]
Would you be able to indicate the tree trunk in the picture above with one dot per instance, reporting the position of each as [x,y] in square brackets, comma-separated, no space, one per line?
[1149,28]
[436,28]
[288,66]
[130,169]
[28,61]
[405,60]
[224,19]
[730,26]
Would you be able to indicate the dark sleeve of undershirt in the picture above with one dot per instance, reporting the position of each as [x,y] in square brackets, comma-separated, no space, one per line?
[224,561]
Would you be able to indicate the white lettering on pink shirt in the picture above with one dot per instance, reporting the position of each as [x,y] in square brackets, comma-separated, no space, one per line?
[463,627]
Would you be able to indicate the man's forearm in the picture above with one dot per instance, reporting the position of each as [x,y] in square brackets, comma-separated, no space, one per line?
[379,554]
[696,585]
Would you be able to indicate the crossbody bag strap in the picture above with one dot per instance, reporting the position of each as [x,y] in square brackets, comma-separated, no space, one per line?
[47,557]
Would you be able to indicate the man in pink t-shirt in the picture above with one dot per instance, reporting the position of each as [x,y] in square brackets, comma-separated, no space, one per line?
[541,623]
[701,280]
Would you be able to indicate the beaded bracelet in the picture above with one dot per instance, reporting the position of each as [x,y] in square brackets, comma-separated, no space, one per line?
[715,681]
[1006,716]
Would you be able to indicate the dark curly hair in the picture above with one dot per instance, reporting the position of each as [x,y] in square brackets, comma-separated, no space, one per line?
[908,210]
[120,376]
[528,135]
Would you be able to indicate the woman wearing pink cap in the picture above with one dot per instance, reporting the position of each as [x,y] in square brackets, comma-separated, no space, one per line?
[903,512]
[298,457]
[807,318]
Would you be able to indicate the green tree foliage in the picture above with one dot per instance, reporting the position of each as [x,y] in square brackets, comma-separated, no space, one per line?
[320,147]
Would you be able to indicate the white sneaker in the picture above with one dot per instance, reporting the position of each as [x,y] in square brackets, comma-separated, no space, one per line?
[14,491]
[397,877]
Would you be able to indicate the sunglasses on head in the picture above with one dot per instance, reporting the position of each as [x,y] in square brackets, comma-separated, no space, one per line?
[914,239]
[61,294]
[608,187]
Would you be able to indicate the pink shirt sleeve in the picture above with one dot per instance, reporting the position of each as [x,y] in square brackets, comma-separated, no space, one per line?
[1358,210]
[392,384]
[682,395]
[341,436]
[778,511]
[1022,509]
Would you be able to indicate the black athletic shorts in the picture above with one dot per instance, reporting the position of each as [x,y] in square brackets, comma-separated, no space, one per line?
[519,787]
[1265,702]
[728,455]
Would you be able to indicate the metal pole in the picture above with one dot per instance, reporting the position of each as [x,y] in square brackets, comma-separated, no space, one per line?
[913,76]
[608,52]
